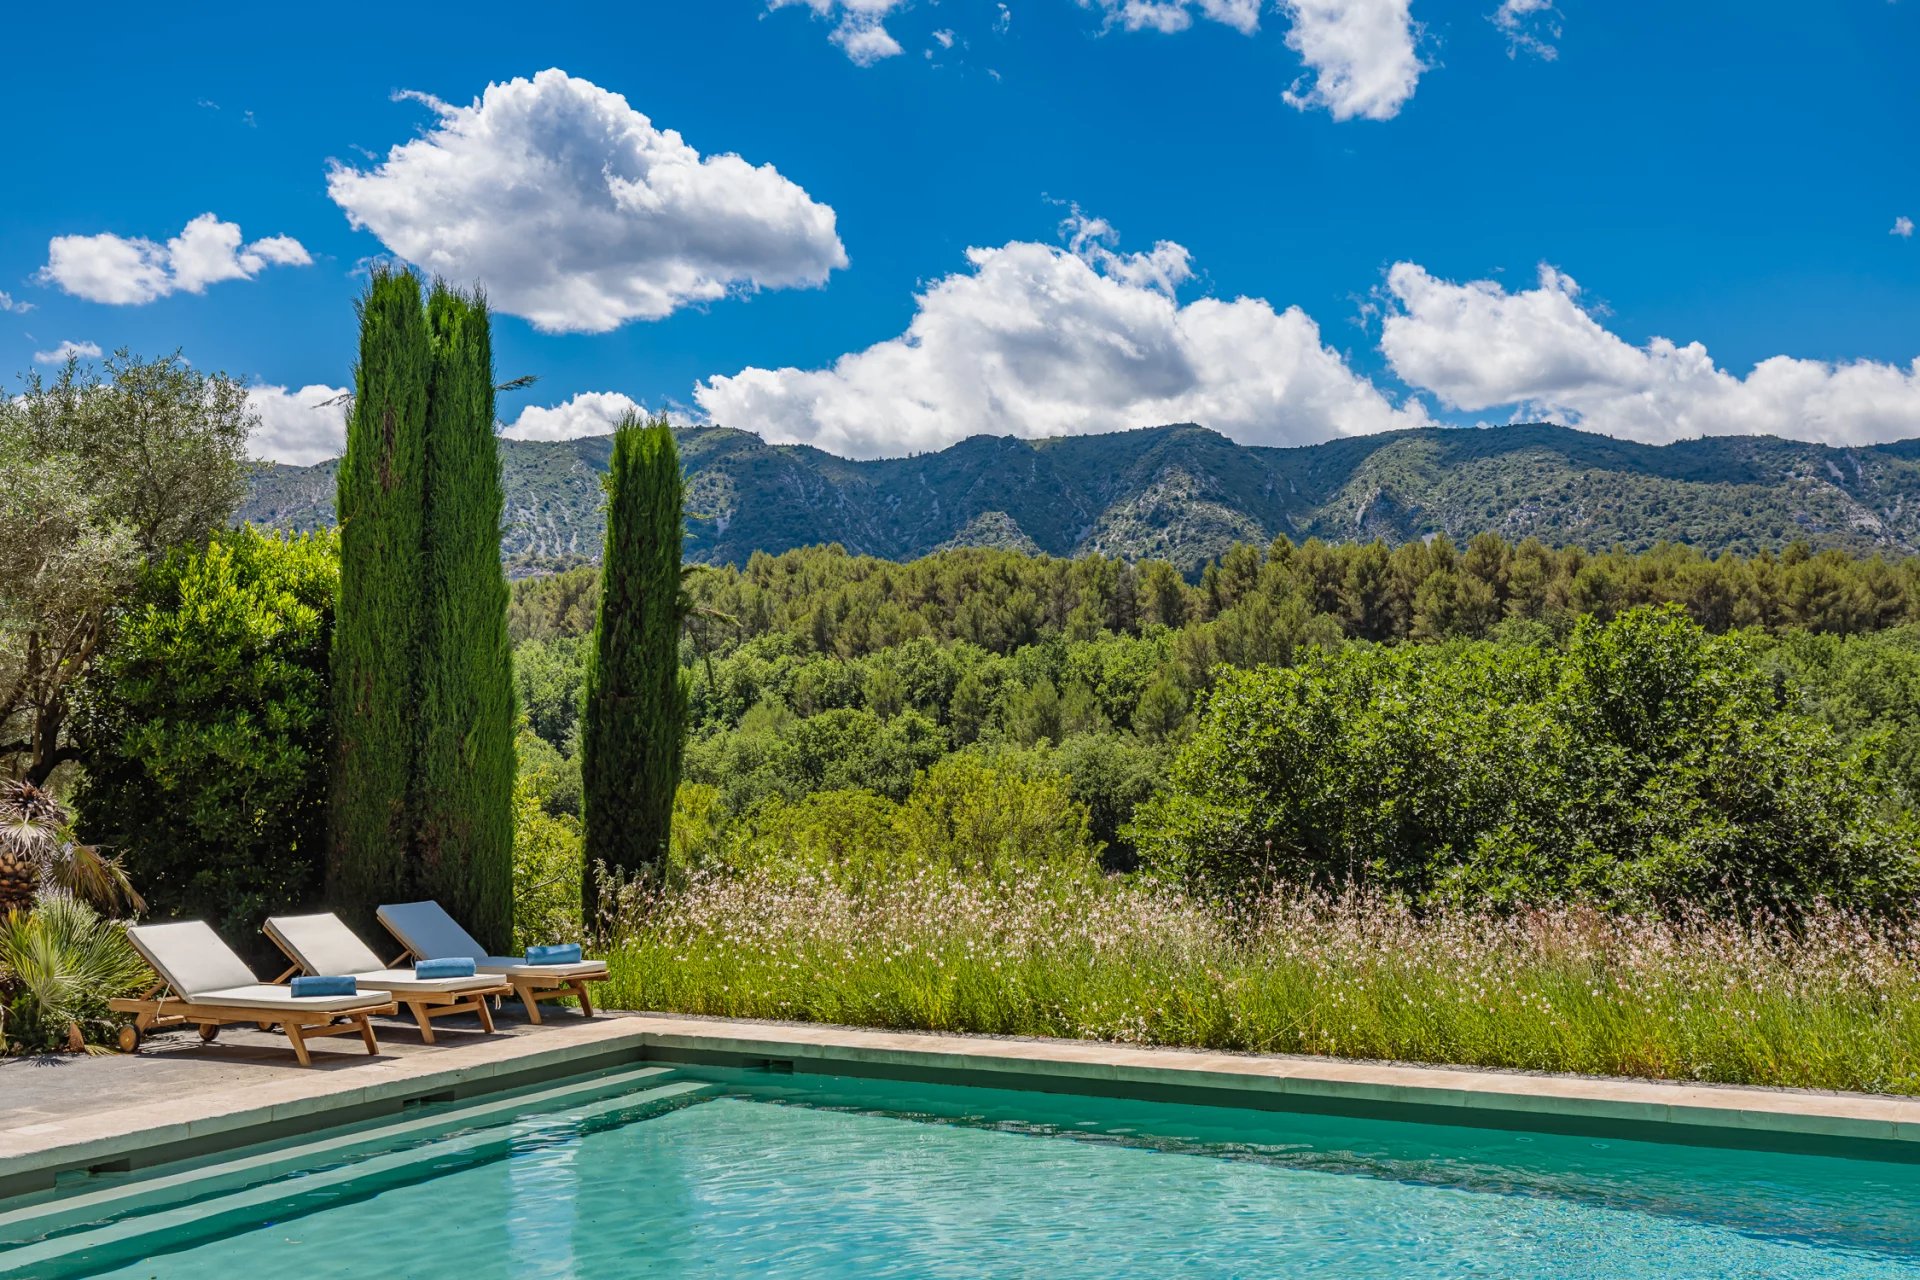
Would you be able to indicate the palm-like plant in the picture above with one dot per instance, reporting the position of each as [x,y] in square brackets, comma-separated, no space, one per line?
[38,853]
[58,968]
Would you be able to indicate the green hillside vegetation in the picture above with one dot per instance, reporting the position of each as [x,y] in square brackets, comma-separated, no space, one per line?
[1185,494]
[1500,723]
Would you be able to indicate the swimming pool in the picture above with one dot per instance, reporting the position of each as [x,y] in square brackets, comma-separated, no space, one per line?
[664,1171]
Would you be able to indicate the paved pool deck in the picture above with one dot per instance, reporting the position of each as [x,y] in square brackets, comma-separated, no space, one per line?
[180,1097]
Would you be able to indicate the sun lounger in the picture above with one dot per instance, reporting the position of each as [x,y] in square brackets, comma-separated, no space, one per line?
[203,982]
[323,944]
[429,933]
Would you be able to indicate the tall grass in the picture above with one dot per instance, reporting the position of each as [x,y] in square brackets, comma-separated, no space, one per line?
[1831,1001]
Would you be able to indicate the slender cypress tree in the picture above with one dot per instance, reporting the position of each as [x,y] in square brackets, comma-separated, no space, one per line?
[463,772]
[635,704]
[376,638]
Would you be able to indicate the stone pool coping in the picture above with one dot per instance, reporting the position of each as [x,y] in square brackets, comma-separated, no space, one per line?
[99,1135]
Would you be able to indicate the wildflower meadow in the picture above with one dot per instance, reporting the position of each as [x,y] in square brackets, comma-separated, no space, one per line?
[1824,1000]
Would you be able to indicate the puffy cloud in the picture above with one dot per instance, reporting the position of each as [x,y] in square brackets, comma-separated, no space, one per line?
[66,351]
[1177,15]
[1531,26]
[1037,340]
[1479,347]
[860,30]
[298,427]
[1902,227]
[129,271]
[9,303]
[591,413]
[578,214]
[1361,55]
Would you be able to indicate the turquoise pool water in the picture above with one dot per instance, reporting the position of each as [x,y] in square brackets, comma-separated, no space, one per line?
[694,1173]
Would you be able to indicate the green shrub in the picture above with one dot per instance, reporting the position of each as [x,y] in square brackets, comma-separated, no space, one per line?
[549,675]
[854,838]
[1112,775]
[1366,764]
[207,730]
[1651,763]
[547,865]
[59,965]
[995,820]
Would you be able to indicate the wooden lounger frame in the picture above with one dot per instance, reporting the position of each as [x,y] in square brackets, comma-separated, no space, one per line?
[533,988]
[156,1011]
[425,1006]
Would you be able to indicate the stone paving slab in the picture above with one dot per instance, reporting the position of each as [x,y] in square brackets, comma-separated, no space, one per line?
[178,1093]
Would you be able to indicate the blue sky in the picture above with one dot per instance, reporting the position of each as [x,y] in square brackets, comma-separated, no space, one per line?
[1289,221]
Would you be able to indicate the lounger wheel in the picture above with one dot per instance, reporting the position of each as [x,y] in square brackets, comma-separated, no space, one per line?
[130,1038]
[209,1032]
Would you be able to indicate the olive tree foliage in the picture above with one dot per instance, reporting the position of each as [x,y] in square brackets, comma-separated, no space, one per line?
[107,468]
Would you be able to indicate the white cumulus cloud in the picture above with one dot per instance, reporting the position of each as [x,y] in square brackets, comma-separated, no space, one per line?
[1531,26]
[1177,15]
[66,351]
[859,25]
[578,214]
[1360,54]
[1037,340]
[128,271]
[1540,351]
[590,413]
[9,303]
[1902,227]
[301,426]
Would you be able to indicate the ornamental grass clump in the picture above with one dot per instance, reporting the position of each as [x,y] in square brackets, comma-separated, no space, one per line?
[1826,999]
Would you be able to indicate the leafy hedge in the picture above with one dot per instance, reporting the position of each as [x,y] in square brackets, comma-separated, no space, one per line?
[206,729]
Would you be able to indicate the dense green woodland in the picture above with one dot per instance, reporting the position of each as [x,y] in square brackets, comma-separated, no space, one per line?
[1495,722]
[1186,494]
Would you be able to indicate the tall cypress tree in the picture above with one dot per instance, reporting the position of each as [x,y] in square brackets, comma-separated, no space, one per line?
[464,768]
[376,639]
[635,704]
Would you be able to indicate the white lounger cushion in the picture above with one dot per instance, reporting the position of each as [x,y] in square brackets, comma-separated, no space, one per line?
[516,967]
[323,945]
[190,957]
[403,982]
[430,933]
[260,995]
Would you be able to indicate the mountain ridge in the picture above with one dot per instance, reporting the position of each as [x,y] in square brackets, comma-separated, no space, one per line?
[1183,492]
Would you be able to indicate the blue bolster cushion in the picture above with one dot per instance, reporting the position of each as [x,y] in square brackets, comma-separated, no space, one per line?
[309,986]
[448,967]
[567,953]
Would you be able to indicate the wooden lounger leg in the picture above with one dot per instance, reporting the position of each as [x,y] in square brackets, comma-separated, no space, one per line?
[299,1045]
[486,1014]
[586,1001]
[424,1018]
[366,1033]
[528,998]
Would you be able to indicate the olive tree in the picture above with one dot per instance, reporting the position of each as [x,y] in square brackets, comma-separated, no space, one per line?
[107,468]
